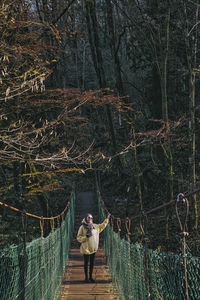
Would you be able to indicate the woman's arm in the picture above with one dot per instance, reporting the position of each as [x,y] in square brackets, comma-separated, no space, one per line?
[81,236]
[104,224]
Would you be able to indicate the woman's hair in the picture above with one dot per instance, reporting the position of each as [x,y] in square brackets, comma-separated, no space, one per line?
[87,216]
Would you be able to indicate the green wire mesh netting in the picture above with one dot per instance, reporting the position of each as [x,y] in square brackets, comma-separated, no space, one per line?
[34,271]
[141,273]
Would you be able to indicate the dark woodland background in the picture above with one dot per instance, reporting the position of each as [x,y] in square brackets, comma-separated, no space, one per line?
[100,90]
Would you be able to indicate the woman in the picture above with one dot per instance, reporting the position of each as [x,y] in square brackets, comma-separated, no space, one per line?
[88,236]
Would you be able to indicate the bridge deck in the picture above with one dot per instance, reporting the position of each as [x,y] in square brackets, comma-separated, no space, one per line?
[74,287]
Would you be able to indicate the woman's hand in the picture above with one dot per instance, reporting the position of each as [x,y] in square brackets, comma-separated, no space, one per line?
[108,216]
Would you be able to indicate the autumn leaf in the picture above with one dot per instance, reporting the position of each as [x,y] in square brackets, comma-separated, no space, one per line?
[10,186]
[7,91]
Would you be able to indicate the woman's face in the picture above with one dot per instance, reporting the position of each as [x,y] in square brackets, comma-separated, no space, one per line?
[89,219]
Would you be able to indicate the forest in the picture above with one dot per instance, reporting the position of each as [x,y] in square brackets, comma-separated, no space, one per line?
[106,91]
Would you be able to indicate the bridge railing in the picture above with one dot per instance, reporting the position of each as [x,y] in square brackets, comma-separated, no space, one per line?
[34,270]
[141,273]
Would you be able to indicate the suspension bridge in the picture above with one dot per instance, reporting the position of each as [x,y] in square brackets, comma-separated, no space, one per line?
[51,267]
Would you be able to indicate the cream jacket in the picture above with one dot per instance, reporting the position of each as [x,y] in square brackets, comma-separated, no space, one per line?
[90,245]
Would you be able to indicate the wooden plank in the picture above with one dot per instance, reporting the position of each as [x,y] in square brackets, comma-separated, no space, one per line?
[74,287]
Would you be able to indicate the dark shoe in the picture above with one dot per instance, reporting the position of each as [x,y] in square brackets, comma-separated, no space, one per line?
[87,280]
[92,280]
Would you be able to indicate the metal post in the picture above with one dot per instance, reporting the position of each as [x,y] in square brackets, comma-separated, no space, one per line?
[182,199]
[24,257]
[143,227]
[128,229]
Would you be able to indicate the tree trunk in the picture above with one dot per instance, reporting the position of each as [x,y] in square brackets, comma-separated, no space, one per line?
[192,78]
[137,170]
[114,48]
[93,36]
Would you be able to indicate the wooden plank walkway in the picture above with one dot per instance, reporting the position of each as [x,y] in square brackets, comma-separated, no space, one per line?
[74,287]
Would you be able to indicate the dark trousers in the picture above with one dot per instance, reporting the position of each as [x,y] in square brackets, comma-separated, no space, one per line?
[88,258]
